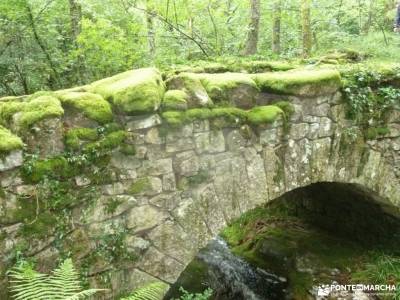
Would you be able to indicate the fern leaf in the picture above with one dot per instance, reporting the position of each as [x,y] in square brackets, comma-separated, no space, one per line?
[84,294]
[152,291]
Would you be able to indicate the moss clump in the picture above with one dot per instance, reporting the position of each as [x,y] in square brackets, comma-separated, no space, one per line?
[222,87]
[175,100]
[233,115]
[38,109]
[265,66]
[9,141]
[75,136]
[93,106]
[264,114]
[56,167]
[140,186]
[374,132]
[134,92]
[190,83]
[300,82]
[8,109]
[286,106]
[108,142]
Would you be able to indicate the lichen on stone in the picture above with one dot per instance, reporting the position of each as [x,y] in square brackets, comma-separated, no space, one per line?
[175,100]
[300,82]
[134,92]
[91,105]
[140,186]
[9,141]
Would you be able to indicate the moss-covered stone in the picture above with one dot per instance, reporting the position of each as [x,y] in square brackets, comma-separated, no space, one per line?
[8,109]
[266,66]
[108,142]
[300,82]
[36,110]
[140,186]
[233,115]
[134,92]
[190,83]
[264,114]
[75,136]
[175,100]
[9,141]
[93,106]
[56,167]
[237,89]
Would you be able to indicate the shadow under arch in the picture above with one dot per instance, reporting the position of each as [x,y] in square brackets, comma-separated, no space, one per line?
[347,211]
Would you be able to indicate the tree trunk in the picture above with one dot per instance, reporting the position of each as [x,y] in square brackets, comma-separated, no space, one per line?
[252,36]
[75,13]
[276,27]
[306,27]
[54,78]
[151,36]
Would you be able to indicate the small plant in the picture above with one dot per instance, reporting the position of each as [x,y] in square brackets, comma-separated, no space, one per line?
[198,296]
[63,284]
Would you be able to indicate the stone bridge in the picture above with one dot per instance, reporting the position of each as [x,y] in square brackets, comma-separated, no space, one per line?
[131,181]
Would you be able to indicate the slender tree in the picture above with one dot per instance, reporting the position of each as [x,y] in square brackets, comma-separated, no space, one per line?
[306,27]
[75,14]
[276,26]
[252,36]
[151,34]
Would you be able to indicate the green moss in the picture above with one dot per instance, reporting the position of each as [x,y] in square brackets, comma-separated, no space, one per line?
[108,142]
[128,149]
[40,227]
[38,109]
[140,186]
[8,109]
[175,100]
[232,115]
[93,106]
[75,136]
[286,106]
[300,82]
[134,92]
[265,66]
[264,114]
[191,84]
[220,86]
[374,132]
[56,167]
[9,141]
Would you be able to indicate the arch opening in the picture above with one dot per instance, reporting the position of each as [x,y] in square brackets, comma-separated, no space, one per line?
[323,233]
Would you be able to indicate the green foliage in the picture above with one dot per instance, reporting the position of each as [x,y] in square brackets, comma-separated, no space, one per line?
[152,291]
[62,284]
[383,269]
[9,141]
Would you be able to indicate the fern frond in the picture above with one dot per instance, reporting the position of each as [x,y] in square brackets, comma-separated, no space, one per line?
[63,284]
[152,291]
[84,294]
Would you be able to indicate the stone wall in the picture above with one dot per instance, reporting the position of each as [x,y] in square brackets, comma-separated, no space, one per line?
[164,201]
